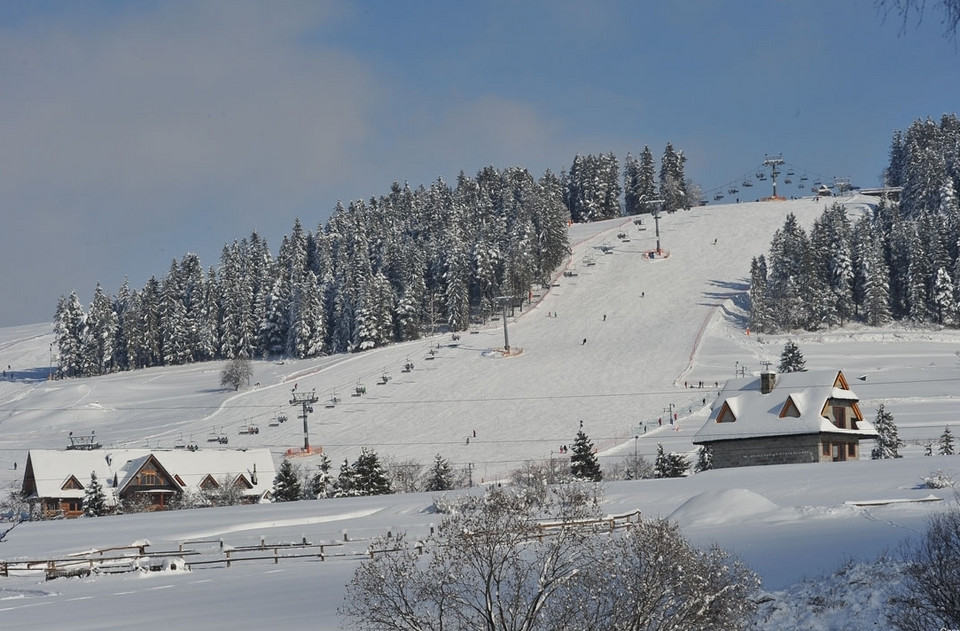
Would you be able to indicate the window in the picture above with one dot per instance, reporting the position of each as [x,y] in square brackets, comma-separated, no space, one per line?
[826,448]
[840,417]
[148,478]
[852,450]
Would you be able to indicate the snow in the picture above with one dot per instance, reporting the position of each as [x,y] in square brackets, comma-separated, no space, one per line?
[790,523]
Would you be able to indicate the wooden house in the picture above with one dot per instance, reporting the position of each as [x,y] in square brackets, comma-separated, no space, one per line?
[786,418]
[55,481]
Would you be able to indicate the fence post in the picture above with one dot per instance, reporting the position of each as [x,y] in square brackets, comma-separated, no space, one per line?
[228,558]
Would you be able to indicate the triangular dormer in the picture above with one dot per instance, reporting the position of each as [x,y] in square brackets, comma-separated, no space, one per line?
[208,483]
[841,381]
[242,482]
[726,414]
[72,484]
[790,409]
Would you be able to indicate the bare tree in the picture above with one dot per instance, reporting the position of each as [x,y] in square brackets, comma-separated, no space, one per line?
[236,373]
[906,9]
[491,565]
[929,598]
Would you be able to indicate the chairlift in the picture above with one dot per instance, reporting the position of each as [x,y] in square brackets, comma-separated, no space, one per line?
[717,197]
[803,178]
[384,378]
[247,430]
[790,172]
[332,402]
[359,390]
[787,181]
[747,183]
[760,175]
[589,261]
[179,443]
[733,190]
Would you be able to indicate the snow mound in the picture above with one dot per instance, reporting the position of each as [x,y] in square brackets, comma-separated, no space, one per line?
[723,507]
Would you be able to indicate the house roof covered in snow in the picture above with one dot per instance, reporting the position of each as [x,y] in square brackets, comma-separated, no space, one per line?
[797,404]
[66,473]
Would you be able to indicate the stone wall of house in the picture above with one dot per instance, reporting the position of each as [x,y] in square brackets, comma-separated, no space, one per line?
[764,451]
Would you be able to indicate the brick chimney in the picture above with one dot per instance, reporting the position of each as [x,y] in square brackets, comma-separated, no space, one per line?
[767,381]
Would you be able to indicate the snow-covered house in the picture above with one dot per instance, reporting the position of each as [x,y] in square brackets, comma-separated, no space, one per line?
[785,418]
[55,481]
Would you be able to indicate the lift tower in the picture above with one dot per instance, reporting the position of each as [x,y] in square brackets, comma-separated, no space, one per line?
[306,401]
[773,162]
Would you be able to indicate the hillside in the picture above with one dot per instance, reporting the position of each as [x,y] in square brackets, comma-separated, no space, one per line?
[651,326]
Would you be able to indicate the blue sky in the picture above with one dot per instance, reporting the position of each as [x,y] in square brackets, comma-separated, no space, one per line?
[134,132]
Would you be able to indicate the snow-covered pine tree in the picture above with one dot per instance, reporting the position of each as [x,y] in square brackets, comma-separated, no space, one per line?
[648,180]
[661,466]
[761,314]
[631,186]
[945,443]
[672,179]
[583,461]
[440,476]
[677,465]
[888,441]
[322,483]
[70,332]
[94,498]
[346,481]
[102,326]
[791,359]
[704,459]
[286,486]
[369,476]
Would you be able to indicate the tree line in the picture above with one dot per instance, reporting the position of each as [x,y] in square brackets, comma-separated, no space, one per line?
[379,271]
[899,262]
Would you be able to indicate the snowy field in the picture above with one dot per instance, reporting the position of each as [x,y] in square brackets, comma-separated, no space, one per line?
[653,328]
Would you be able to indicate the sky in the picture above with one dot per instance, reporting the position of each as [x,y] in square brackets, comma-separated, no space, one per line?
[654,327]
[132,133]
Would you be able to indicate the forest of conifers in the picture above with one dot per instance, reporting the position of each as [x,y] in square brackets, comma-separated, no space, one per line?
[899,262]
[377,272]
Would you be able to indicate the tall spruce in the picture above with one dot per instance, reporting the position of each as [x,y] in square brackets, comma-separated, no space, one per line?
[945,443]
[791,359]
[888,441]
[584,464]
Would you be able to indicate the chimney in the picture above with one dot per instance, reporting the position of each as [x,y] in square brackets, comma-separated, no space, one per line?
[767,381]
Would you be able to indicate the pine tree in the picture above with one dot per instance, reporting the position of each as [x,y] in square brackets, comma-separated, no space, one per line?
[704,459]
[583,463]
[441,475]
[322,483]
[94,498]
[286,486]
[369,476]
[945,444]
[888,439]
[346,481]
[791,360]
[661,466]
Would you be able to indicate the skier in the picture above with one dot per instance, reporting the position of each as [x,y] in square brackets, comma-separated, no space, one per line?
[604,317]
[583,342]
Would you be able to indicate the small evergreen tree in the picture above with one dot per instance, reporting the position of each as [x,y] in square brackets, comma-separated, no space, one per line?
[322,483]
[286,486]
[94,499]
[704,459]
[888,440]
[928,449]
[583,463]
[369,476]
[672,465]
[945,445]
[441,475]
[346,481]
[791,360]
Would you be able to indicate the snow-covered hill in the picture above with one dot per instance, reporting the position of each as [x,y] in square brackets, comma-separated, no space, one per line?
[655,329]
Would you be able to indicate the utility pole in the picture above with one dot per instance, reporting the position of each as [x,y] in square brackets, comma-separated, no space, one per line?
[773,162]
[306,401]
[470,472]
